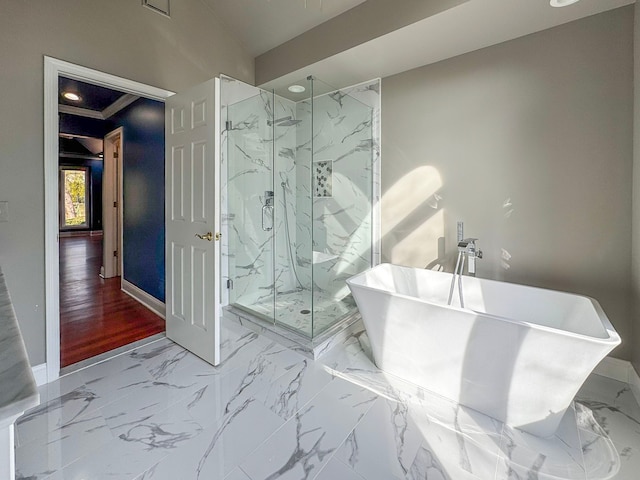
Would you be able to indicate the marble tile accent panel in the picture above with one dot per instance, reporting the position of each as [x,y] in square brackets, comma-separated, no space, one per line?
[323,178]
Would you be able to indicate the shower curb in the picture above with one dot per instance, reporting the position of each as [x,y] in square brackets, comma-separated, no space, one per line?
[313,349]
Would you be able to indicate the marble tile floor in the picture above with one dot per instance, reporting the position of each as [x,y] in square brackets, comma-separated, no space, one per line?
[289,306]
[266,412]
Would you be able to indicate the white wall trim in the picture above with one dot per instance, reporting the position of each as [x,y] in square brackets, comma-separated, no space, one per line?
[122,102]
[80,112]
[40,374]
[53,68]
[149,301]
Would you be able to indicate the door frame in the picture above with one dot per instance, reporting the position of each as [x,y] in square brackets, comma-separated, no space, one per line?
[53,68]
[113,183]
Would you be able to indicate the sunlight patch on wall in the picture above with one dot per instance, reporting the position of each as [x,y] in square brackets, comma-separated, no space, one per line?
[407,194]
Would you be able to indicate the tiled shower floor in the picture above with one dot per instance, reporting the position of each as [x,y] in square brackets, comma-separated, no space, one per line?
[268,413]
[289,308]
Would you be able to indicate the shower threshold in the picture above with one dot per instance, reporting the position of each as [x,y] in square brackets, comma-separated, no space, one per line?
[314,348]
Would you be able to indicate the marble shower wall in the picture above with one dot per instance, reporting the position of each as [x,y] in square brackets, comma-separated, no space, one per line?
[249,256]
[345,185]
[334,214]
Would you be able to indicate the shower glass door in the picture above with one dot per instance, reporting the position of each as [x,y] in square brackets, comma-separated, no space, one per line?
[341,192]
[293,139]
[296,201]
[248,196]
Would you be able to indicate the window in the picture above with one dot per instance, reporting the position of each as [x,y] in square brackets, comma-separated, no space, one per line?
[74,205]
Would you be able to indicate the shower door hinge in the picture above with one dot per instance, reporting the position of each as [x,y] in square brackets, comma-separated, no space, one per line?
[228,124]
[230,284]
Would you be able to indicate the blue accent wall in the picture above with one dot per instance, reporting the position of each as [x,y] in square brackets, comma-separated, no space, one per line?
[143,192]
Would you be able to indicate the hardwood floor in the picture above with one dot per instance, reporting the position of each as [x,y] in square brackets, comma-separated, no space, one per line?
[95,315]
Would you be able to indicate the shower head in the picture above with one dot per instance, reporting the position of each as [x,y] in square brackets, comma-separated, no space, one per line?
[284,122]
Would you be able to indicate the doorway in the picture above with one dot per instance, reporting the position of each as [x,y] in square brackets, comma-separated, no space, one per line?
[97,314]
[112,202]
[60,255]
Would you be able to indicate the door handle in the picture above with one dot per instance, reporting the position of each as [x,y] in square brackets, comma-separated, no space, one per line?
[208,236]
[265,209]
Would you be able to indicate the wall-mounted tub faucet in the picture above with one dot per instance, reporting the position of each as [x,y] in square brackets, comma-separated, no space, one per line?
[470,249]
[467,248]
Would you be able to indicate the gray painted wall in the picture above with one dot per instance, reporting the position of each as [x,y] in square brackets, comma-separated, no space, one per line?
[635,259]
[364,22]
[530,143]
[119,37]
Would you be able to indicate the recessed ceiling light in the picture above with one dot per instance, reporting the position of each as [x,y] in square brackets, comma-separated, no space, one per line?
[296,89]
[561,3]
[74,97]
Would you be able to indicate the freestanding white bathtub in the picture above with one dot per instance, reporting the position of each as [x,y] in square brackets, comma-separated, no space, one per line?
[518,354]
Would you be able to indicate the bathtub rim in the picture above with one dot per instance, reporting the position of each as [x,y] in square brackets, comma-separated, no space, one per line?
[612,338]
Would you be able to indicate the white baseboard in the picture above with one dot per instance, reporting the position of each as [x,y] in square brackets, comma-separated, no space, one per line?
[149,301]
[40,374]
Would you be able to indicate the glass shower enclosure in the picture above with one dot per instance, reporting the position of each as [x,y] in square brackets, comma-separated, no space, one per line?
[296,194]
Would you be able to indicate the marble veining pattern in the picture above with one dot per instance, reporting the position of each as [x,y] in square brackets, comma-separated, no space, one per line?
[268,145]
[18,390]
[267,412]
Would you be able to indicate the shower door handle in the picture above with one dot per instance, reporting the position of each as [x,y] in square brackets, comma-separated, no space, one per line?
[265,210]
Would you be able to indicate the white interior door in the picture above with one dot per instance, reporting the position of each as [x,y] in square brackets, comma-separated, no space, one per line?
[111,204]
[192,221]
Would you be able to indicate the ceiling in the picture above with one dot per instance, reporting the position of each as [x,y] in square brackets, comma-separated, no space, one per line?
[470,26]
[95,101]
[264,24]
[92,97]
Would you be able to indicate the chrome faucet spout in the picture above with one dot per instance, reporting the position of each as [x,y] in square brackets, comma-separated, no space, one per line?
[468,247]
